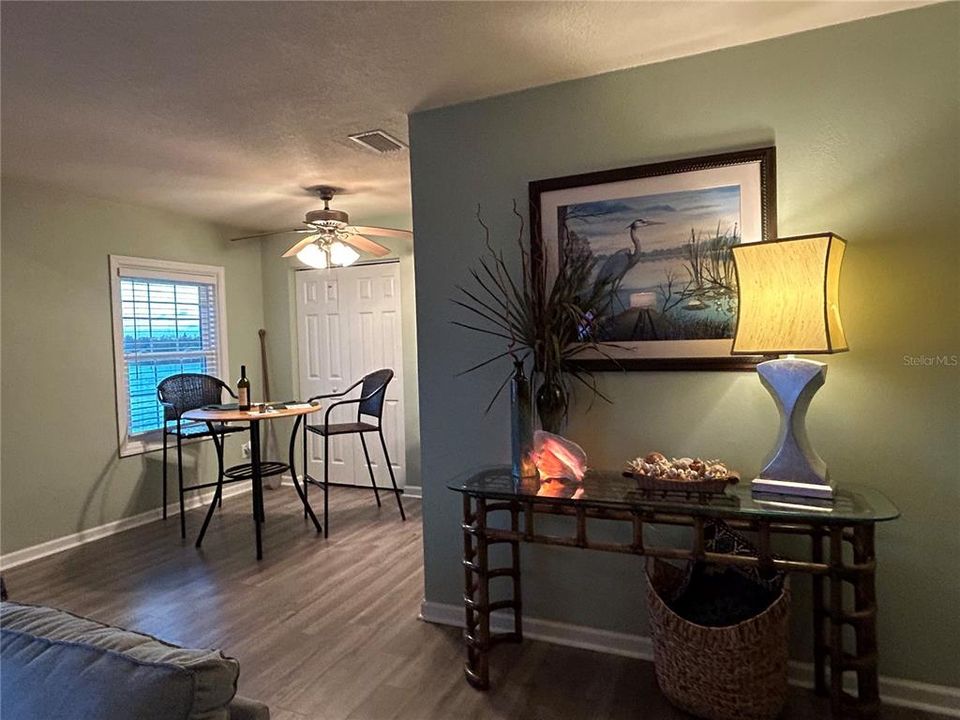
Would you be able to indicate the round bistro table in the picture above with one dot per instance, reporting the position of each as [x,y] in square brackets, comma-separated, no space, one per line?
[257,468]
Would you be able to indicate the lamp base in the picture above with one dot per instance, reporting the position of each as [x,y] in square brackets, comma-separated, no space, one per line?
[795,502]
[796,468]
[785,487]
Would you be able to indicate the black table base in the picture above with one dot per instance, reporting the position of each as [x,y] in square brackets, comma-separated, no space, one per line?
[256,470]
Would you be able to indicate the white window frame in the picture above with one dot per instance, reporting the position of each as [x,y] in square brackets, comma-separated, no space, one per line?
[125,266]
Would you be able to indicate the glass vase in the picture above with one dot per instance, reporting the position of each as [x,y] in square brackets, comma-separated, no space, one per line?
[521,424]
[552,406]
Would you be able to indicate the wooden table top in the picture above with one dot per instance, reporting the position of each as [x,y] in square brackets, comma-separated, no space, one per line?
[234,415]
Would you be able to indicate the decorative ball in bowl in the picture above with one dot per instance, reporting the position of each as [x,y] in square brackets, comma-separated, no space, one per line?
[655,471]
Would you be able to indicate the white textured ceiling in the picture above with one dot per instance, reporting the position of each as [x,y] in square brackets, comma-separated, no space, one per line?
[225,110]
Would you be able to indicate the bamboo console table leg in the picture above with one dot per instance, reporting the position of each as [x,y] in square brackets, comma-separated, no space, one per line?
[862,659]
[476,596]
[864,621]
[477,574]
[819,616]
[515,570]
[836,622]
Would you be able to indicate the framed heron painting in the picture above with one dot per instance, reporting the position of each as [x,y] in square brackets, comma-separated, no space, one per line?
[659,236]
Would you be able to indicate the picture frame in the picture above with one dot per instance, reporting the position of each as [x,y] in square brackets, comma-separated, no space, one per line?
[660,234]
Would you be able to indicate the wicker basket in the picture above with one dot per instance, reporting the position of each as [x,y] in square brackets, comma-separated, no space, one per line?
[737,672]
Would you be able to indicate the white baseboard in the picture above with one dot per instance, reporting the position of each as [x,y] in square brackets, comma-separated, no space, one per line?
[578,636]
[939,699]
[413,491]
[51,547]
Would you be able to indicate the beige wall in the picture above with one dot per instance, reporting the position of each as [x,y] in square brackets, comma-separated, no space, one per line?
[60,469]
[866,120]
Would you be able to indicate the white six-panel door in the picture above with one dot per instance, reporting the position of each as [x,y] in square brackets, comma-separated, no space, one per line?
[348,324]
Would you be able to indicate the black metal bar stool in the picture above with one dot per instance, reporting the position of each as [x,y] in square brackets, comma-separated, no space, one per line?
[179,394]
[373,393]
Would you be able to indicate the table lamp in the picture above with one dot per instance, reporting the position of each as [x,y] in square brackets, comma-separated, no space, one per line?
[788,304]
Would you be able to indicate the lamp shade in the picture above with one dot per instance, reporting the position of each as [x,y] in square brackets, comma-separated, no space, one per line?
[789,296]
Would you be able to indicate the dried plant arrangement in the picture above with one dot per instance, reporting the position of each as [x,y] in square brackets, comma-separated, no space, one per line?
[549,323]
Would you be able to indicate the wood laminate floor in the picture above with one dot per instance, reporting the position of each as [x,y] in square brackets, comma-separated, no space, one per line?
[328,629]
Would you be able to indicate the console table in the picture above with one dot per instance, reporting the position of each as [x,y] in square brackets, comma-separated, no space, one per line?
[846,522]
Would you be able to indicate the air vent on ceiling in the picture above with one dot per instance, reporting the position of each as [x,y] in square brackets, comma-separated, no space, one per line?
[378,141]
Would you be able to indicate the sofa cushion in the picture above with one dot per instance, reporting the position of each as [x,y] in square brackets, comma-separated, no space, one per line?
[78,668]
[242,708]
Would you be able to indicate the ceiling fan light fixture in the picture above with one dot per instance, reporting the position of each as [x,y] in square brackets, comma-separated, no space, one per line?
[326,219]
[342,254]
[314,256]
[336,242]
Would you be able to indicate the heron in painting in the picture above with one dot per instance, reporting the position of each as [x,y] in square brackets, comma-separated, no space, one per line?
[615,267]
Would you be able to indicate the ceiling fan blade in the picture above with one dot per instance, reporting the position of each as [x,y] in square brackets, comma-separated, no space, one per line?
[383,232]
[270,233]
[367,245]
[299,245]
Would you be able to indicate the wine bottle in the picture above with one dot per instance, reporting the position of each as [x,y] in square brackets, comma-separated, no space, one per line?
[243,389]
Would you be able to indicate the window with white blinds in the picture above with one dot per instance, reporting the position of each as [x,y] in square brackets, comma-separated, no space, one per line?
[168,319]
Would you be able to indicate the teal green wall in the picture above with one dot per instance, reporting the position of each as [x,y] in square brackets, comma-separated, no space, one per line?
[60,469]
[866,120]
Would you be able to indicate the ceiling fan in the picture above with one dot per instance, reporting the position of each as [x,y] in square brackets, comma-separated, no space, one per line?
[332,241]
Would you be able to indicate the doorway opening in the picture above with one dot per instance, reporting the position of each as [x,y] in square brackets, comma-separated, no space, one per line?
[349,323]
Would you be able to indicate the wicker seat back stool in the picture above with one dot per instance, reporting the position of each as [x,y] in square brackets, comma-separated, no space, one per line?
[373,394]
[178,394]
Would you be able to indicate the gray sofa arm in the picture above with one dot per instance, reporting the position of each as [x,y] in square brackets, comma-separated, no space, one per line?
[243,709]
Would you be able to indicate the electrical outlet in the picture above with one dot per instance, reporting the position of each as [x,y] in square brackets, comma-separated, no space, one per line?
[245,449]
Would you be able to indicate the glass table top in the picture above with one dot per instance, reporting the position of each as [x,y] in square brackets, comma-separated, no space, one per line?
[612,490]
